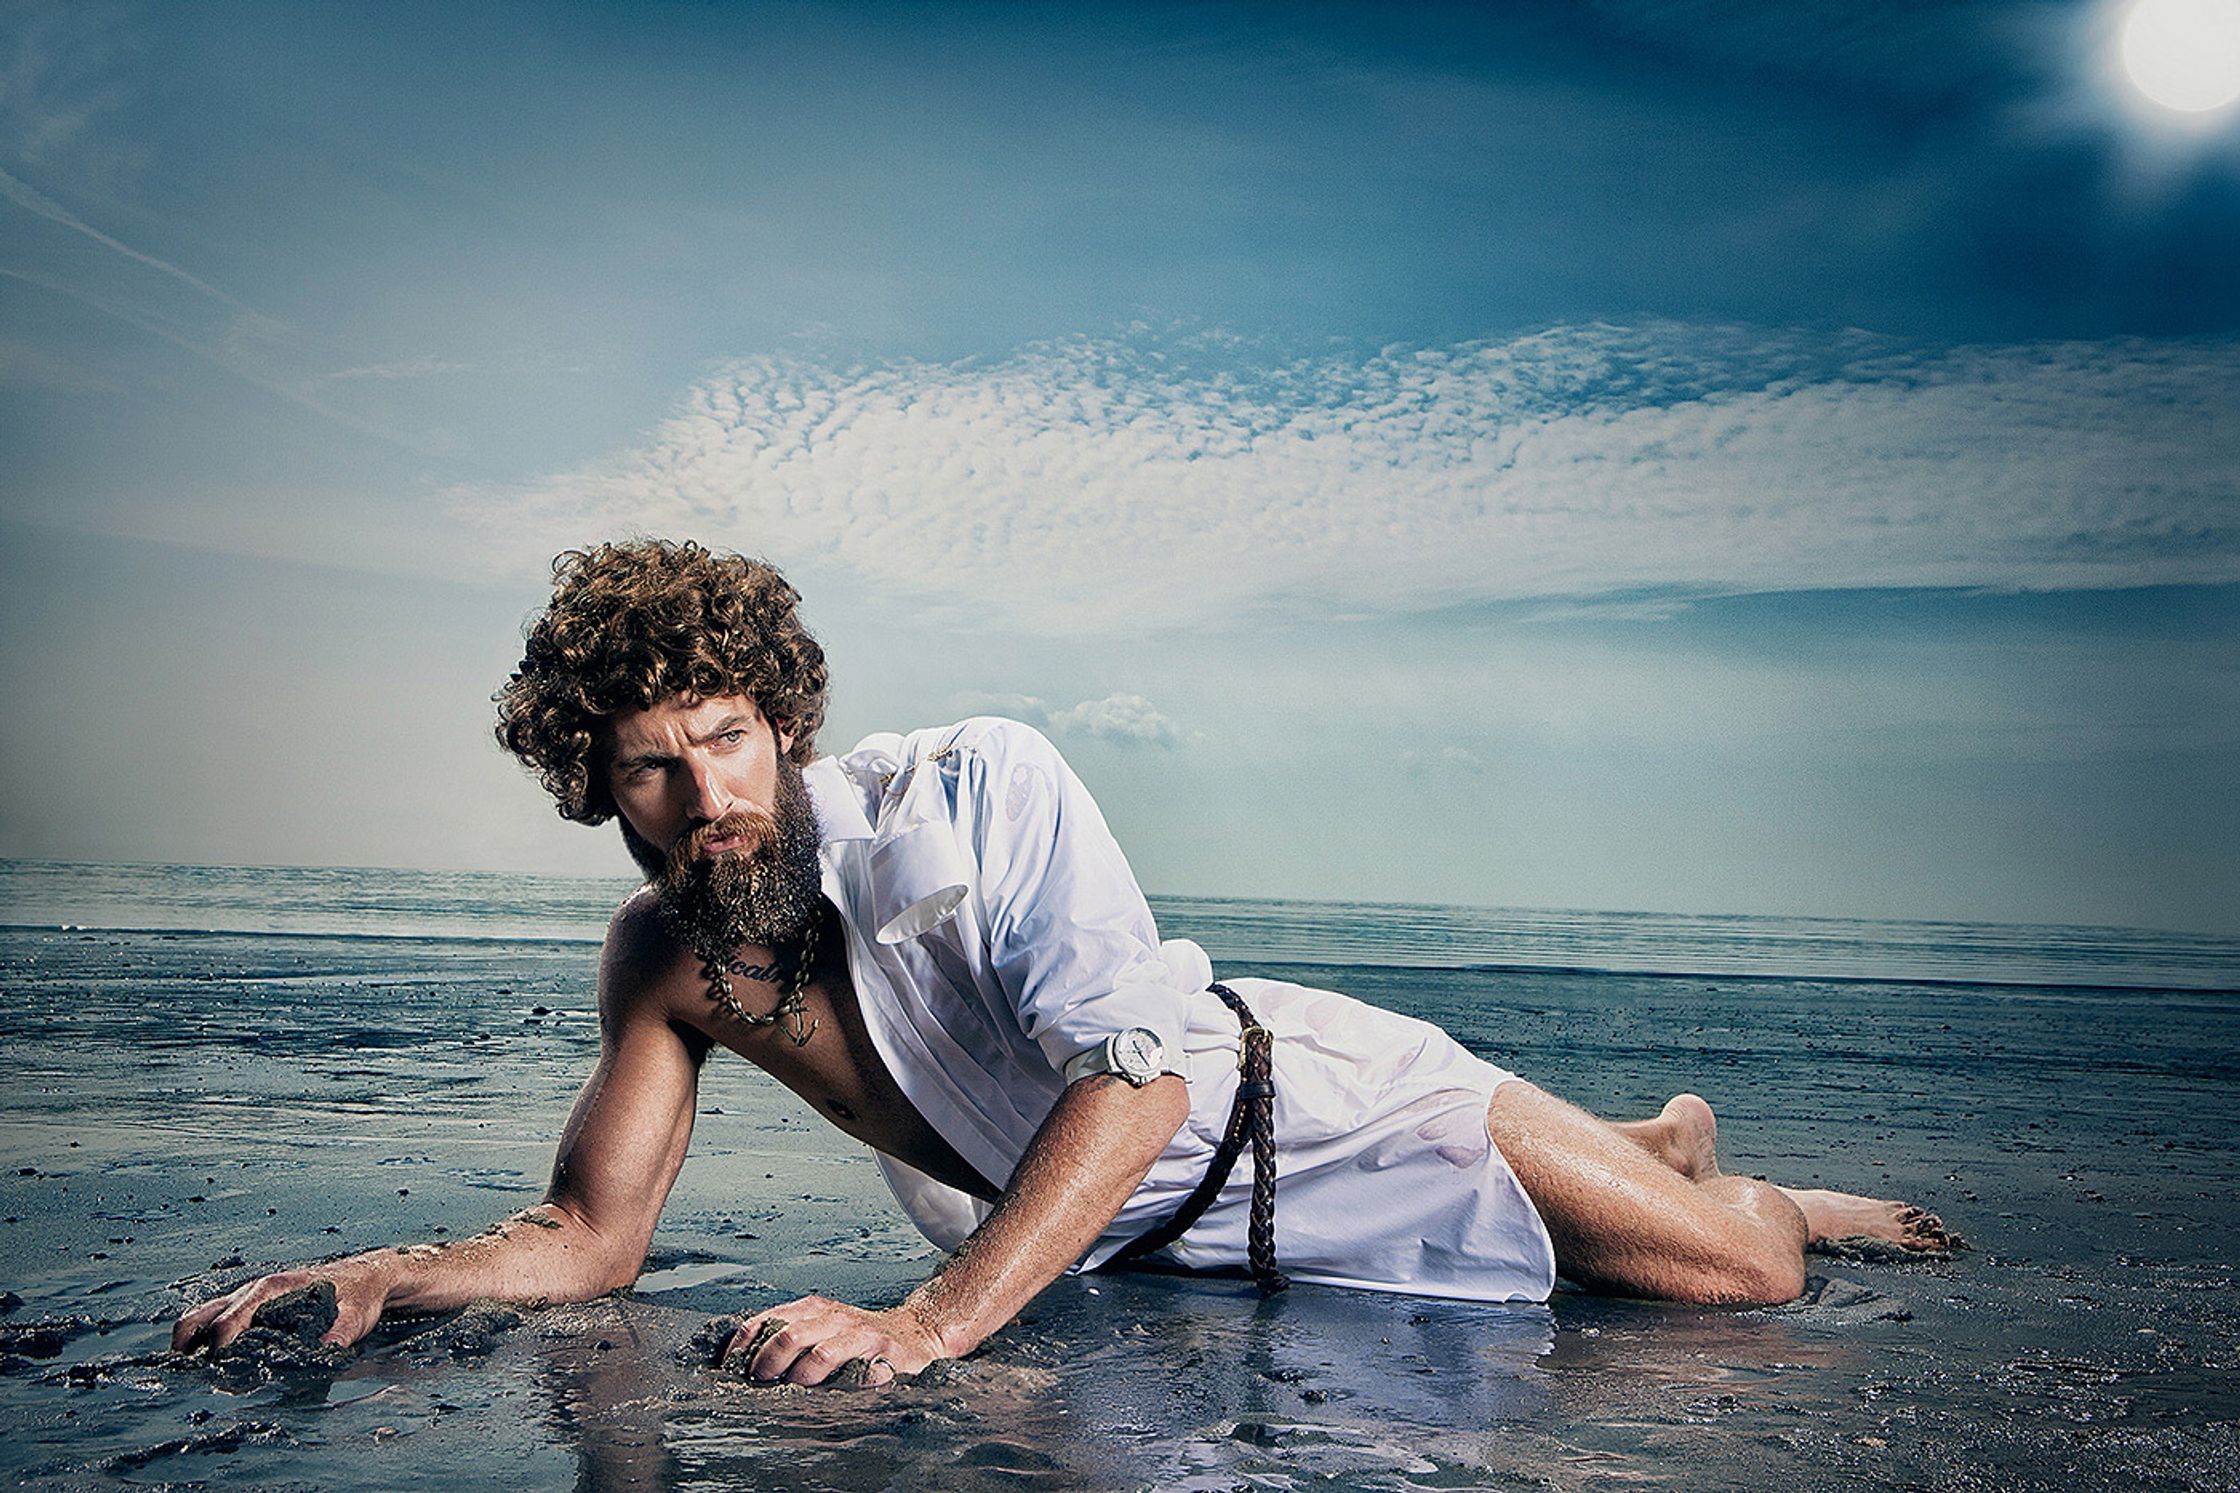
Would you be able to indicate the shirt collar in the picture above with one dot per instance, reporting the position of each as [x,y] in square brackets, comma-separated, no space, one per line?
[838,802]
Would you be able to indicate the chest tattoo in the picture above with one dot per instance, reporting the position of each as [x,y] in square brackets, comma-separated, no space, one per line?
[790,1013]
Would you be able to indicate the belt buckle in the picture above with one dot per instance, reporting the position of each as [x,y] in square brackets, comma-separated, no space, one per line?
[1244,1040]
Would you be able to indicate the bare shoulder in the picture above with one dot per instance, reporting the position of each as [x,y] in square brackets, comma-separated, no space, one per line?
[642,966]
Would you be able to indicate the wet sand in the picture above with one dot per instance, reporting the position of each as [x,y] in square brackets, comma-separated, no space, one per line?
[186,1109]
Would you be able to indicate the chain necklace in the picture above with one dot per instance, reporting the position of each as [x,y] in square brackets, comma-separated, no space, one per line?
[790,1013]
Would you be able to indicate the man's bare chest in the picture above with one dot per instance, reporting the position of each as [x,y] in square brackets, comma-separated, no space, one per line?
[839,1072]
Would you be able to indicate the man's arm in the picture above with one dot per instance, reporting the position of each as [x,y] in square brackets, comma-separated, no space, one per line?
[618,1157]
[1092,1151]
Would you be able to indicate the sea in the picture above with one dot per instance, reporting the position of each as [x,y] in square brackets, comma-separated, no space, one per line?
[214,1071]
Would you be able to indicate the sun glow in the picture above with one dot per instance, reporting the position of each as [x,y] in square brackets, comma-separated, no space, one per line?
[2184,54]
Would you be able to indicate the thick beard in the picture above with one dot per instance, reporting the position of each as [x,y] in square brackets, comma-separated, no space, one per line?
[769,895]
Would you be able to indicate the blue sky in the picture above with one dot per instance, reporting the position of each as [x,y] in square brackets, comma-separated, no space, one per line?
[1648,456]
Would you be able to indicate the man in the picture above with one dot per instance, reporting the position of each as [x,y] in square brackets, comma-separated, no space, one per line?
[935,941]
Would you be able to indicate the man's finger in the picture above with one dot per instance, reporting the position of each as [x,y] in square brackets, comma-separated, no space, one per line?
[819,1361]
[199,1328]
[237,1317]
[351,1322]
[777,1345]
[233,1322]
[750,1338]
[191,1323]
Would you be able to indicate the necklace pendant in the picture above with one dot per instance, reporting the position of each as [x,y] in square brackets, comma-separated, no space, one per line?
[800,1026]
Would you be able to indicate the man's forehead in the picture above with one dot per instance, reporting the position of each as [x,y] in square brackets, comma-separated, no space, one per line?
[687,714]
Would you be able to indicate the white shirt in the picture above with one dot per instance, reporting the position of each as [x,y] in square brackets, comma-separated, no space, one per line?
[995,932]
[994,928]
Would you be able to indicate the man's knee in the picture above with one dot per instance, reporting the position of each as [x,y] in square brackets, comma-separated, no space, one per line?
[1768,1281]
[1769,1266]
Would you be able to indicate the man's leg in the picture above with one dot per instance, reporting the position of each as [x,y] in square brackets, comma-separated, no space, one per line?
[1643,1209]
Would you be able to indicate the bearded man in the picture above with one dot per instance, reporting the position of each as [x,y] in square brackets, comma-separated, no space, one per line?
[935,941]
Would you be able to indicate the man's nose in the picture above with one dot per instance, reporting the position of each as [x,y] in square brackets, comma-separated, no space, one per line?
[705,798]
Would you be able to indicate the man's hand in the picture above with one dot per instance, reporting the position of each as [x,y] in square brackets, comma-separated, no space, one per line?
[810,1340]
[360,1292]
[1092,1150]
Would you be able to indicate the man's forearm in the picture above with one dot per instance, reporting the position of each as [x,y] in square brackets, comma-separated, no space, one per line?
[542,1254]
[1090,1155]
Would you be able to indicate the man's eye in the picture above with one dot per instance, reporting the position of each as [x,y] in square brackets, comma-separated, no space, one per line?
[735,737]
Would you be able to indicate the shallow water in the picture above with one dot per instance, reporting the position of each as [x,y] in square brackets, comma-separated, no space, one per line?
[184,1107]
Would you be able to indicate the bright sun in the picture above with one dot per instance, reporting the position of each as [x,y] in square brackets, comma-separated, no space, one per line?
[2184,54]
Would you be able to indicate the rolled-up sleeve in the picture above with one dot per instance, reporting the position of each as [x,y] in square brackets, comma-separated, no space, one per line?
[1070,936]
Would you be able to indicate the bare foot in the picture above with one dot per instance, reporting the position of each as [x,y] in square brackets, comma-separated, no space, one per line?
[1685,1137]
[1845,1215]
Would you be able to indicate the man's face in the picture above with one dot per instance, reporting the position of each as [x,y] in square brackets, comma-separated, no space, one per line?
[718,819]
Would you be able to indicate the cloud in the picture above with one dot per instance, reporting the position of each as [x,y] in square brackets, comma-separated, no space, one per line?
[1145,480]
[1124,719]
[1129,720]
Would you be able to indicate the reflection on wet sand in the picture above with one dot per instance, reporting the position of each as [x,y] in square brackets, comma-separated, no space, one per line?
[1121,1382]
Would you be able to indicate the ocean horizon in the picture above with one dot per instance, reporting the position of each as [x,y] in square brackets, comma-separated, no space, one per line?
[515,907]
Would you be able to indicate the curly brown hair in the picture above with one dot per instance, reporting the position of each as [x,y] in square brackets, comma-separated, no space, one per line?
[636,623]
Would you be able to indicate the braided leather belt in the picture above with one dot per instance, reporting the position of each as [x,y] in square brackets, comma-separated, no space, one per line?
[1253,1116]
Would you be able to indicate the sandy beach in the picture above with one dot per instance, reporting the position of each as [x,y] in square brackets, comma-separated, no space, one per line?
[186,1108]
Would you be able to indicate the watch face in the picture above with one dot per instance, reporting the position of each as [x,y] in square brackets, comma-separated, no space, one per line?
[1136,1054]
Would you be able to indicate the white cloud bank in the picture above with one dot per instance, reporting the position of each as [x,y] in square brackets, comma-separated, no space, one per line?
[1124,719]
[1146,480]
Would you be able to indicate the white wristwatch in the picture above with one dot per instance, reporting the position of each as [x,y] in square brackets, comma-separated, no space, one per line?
[1136,1055]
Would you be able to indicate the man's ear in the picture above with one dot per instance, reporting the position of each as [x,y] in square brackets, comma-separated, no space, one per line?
[785,737]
